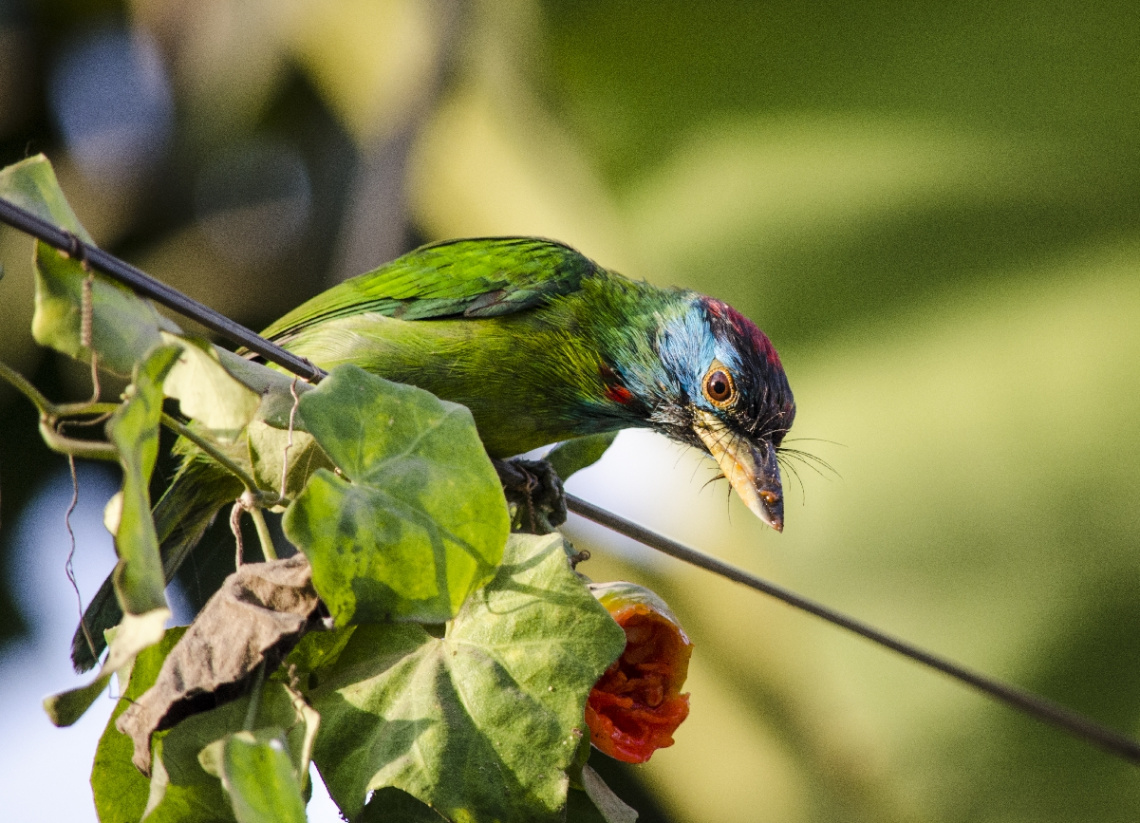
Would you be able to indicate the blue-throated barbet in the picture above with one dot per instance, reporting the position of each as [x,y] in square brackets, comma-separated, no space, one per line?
[541,344]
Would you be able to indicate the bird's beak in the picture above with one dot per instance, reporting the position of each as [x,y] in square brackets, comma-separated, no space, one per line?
[751,470]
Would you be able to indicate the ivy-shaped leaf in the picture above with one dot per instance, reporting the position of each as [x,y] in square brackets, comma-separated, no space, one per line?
[482,723]
[207,392]
[417,522]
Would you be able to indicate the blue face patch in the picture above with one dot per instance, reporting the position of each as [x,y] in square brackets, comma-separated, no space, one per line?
[687,348]
[710,331]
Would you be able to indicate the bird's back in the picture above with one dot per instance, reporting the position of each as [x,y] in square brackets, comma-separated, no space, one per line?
[521,331]
[483,277]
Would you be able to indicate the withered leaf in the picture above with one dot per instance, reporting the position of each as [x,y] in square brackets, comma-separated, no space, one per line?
[258,615]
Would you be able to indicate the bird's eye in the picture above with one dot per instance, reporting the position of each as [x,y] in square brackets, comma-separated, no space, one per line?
[719,388]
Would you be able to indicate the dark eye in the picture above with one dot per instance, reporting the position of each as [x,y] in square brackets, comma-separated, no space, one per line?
[718,387]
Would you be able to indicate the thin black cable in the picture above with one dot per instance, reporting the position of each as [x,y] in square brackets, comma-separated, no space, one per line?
[1033,705]
[157,291]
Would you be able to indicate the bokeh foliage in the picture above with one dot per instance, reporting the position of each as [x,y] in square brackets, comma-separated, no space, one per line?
[932,210]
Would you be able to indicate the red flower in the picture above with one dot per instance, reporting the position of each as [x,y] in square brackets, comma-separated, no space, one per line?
[637,705]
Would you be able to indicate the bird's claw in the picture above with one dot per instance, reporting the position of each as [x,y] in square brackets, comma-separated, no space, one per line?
[535,491]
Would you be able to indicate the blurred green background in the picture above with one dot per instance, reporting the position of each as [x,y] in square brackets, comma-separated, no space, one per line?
[933,209]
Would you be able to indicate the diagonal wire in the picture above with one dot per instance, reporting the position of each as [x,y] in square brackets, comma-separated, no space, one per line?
[1033,705]
[142,283]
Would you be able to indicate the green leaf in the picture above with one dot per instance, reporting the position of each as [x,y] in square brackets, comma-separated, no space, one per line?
[64,708]
[124,327]
[134,633]
[482,723]
[574,455]
[420,521]
[31,185]
[182,790]
[258,775]
[270,453]
[276,389]
[133,429]
[207,392]
[317,651]
[120,790]
[276,437]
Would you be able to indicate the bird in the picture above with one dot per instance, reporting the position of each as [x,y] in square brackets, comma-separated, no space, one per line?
[542,344]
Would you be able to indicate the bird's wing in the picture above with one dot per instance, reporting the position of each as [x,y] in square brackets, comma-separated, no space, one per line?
[456,278]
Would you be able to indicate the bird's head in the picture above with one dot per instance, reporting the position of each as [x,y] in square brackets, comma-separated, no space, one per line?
[723,390]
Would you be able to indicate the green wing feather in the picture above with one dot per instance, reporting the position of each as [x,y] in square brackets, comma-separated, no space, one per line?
[485,277]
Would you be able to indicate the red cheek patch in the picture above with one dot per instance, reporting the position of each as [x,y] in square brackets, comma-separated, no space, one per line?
[615,391]
[619,394]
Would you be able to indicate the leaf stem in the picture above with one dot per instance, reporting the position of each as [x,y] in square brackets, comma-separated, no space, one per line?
[261,496]
[268,550]
[75,446]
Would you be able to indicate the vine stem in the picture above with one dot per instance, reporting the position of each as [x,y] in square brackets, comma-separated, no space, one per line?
[261,497]
[268,550]
[25,387]
[50,415]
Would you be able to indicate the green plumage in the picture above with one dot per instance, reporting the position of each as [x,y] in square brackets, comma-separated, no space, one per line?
[470,278]
[520,331]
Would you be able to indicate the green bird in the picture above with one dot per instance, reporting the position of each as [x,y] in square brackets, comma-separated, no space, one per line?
[542,345]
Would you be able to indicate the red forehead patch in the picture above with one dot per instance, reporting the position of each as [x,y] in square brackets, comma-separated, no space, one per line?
[745,328]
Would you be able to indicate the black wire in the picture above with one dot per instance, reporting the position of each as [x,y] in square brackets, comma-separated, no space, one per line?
[1038,707]
[1031,704]
[161,293]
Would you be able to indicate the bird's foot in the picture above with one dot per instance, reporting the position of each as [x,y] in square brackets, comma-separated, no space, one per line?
[535,491]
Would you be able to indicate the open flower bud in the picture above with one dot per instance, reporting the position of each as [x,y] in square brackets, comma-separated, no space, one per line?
[637,705]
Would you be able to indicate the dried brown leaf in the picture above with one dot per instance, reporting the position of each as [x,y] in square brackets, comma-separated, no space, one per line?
[257,616]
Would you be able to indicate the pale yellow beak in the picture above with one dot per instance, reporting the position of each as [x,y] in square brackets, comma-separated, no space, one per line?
[751,470]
